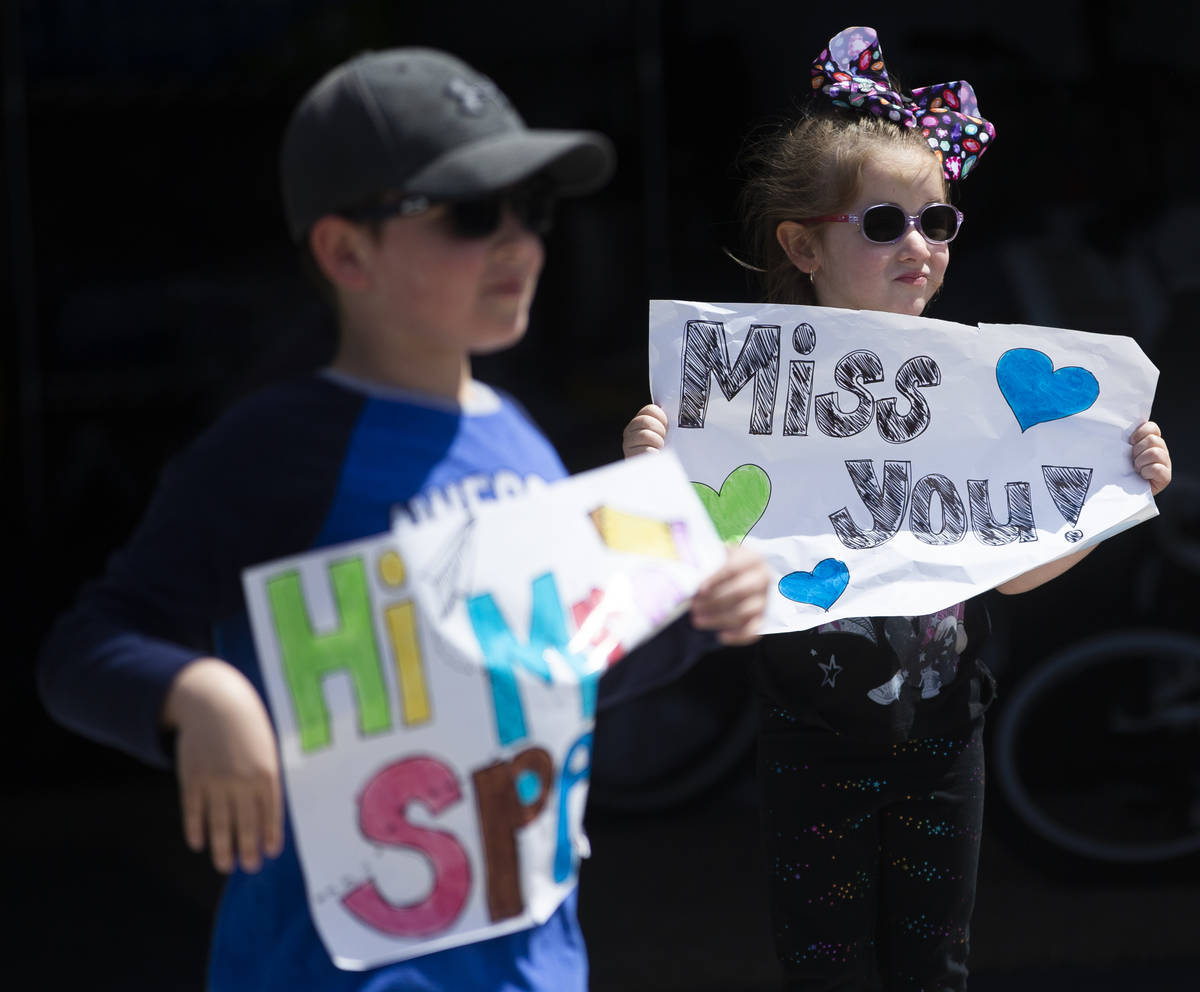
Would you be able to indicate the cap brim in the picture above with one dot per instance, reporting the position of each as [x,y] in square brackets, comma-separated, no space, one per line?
[575,161]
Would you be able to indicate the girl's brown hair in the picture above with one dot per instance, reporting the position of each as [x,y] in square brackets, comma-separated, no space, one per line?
[809,169]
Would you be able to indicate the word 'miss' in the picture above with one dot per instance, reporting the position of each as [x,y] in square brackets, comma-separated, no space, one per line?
[706,357]
[509,794]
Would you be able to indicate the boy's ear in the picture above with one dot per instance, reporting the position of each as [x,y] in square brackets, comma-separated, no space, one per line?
[800,245]
[339,249]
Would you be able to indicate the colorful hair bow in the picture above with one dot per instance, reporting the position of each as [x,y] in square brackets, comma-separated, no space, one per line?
[851,73]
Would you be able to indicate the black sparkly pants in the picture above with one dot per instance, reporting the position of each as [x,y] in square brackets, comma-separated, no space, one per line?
[872,854]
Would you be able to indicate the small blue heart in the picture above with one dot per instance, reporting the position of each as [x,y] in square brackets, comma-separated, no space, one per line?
[1036,393]
[820,587]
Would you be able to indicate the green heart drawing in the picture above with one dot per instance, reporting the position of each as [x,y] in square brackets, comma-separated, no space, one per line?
[740,504]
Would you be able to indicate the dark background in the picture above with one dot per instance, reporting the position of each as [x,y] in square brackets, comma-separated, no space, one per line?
[148,282]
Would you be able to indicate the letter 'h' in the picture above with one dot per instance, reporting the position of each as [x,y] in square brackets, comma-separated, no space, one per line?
[309,657]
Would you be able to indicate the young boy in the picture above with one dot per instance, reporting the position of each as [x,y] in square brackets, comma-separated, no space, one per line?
[420,195]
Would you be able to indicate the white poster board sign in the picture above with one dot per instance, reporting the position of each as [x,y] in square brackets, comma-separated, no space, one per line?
[434,689]
[894,466]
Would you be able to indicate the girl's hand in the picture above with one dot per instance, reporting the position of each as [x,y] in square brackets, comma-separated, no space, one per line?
[732,600]
[1151,457]
[1153,463]
[645,432]
[227,765]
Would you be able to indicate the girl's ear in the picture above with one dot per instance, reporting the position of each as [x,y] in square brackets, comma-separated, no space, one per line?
[340,251]
[800,245]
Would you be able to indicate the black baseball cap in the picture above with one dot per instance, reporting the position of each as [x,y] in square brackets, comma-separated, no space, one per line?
[422,123]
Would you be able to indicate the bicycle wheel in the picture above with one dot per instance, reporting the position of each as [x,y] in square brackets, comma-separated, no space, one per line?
[1097,750]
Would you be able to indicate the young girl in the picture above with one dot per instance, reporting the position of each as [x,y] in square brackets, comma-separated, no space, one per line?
[870,760]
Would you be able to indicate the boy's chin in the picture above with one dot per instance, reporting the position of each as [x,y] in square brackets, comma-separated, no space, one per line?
[502,338]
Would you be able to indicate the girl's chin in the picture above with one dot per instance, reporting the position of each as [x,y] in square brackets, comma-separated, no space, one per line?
[915,303]
[903,308]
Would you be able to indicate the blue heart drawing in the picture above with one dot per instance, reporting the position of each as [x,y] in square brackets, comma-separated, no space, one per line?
[1036,393]
[820,587]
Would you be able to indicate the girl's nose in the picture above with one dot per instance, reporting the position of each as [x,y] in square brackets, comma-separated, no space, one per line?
[913,243]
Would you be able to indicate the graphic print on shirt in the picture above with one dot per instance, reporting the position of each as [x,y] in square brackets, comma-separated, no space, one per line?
[926,649]
[466,494]
[831,669]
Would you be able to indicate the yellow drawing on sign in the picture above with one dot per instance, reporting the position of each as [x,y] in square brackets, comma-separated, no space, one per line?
[640,535]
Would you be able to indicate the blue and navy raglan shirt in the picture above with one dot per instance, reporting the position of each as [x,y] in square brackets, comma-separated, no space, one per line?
[298,467]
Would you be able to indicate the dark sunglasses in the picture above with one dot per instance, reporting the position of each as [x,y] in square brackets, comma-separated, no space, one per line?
[472,219]
[887,223]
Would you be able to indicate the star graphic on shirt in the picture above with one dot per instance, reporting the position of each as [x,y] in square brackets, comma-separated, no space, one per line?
[831,671]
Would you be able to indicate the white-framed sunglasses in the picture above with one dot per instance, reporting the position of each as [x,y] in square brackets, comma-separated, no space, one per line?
[887,223]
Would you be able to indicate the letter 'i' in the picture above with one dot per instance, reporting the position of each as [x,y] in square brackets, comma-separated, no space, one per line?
[800,382]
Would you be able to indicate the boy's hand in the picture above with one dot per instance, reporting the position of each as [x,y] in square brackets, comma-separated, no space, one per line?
[731,601]
[227,764]
[1151,457]
[645,432]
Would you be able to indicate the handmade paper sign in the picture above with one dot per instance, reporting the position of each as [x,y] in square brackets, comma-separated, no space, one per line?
[434,692]
[894,466]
